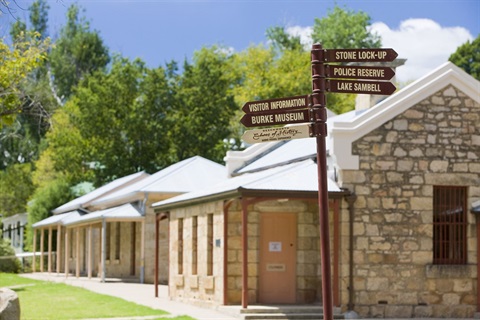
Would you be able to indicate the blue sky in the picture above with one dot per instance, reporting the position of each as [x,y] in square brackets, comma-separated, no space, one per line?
[425,32]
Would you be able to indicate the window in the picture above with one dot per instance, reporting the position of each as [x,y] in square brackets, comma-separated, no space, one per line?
[117,241]
[449,225]
[70,242]
[194,244]
[180,246]
[209,244]
[108,241]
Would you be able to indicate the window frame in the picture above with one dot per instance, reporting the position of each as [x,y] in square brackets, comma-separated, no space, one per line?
[450,224]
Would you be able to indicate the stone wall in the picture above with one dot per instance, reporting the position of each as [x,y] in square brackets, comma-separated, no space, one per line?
[188,288]
[201,288]
[150,247]
[308,280]
[436,142]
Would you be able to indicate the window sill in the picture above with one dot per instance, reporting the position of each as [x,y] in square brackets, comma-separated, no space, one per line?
[433,271]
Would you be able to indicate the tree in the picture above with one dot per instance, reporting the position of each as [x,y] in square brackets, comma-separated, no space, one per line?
[204,105]
[39,17]
[343,28]
[17,63]
[10,264]
[123,116]
[467,57]
[282,41]
[16,189]
[77,53]
[44,200]
[20,140]
[64,153]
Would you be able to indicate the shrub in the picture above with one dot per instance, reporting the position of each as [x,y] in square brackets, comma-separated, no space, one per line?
[9,265]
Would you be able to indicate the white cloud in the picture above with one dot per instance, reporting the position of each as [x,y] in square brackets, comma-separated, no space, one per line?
[305,34]
[423,42]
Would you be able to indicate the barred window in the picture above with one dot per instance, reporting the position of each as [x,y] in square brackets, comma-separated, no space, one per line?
[449,225]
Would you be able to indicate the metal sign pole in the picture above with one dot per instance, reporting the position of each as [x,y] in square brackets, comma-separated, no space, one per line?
[320,132]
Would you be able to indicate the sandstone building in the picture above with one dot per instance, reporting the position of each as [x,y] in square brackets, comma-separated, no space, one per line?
[404,192]
[404,179]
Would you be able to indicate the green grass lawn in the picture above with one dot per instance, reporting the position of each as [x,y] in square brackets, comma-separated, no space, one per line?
[57,301]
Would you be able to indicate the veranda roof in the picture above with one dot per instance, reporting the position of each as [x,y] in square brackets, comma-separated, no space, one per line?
[294,179]
[58,219]
[108,188]
[185,176]
[126,212]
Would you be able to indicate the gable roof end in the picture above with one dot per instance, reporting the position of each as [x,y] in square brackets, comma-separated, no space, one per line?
[343,133]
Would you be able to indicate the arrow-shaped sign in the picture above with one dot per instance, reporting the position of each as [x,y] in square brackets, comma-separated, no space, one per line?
[289,103]
[362,87]
[357,72]
[276,134]
[360,55]
[274,118]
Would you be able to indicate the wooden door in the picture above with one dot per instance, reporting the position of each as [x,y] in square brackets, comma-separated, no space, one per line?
[277,276]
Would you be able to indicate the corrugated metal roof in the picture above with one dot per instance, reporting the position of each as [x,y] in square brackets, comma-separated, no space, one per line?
[85,199]
[292,150]
[187,175]
[58,219]
[285,152]
[126,211]
[298,176]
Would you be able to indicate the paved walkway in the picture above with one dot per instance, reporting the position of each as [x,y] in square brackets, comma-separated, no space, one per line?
[143,294]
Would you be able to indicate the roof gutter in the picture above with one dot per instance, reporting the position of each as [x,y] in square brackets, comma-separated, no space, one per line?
[242,192]
[208,198]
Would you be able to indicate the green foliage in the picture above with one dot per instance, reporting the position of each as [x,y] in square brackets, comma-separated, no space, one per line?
[123,118]
[9,265]
[15,189]
[65,153]
[39,17]
[343,28]
[263,75]
[45,199]
[203,106]
[467,57]
[17,62]
[77,53]
[283,41]
[21,139]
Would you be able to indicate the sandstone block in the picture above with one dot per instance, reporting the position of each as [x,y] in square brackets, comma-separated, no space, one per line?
[9,305]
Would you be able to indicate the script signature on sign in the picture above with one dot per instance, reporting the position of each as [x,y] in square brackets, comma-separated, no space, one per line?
[276,134]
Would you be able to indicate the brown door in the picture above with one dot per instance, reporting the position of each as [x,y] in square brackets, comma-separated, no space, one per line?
[277,276]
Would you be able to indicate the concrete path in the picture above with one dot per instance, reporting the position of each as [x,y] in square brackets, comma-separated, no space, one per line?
[143,294]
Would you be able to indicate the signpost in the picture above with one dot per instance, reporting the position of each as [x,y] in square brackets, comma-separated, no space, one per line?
[357,72]
[290,103]
[294,110]
[277,134]
[365,87]
[275,118]
[359,55]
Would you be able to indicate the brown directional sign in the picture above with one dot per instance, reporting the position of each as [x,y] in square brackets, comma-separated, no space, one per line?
[360,55]
[365,87]
[356,72]
[289,103]
[274,118]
